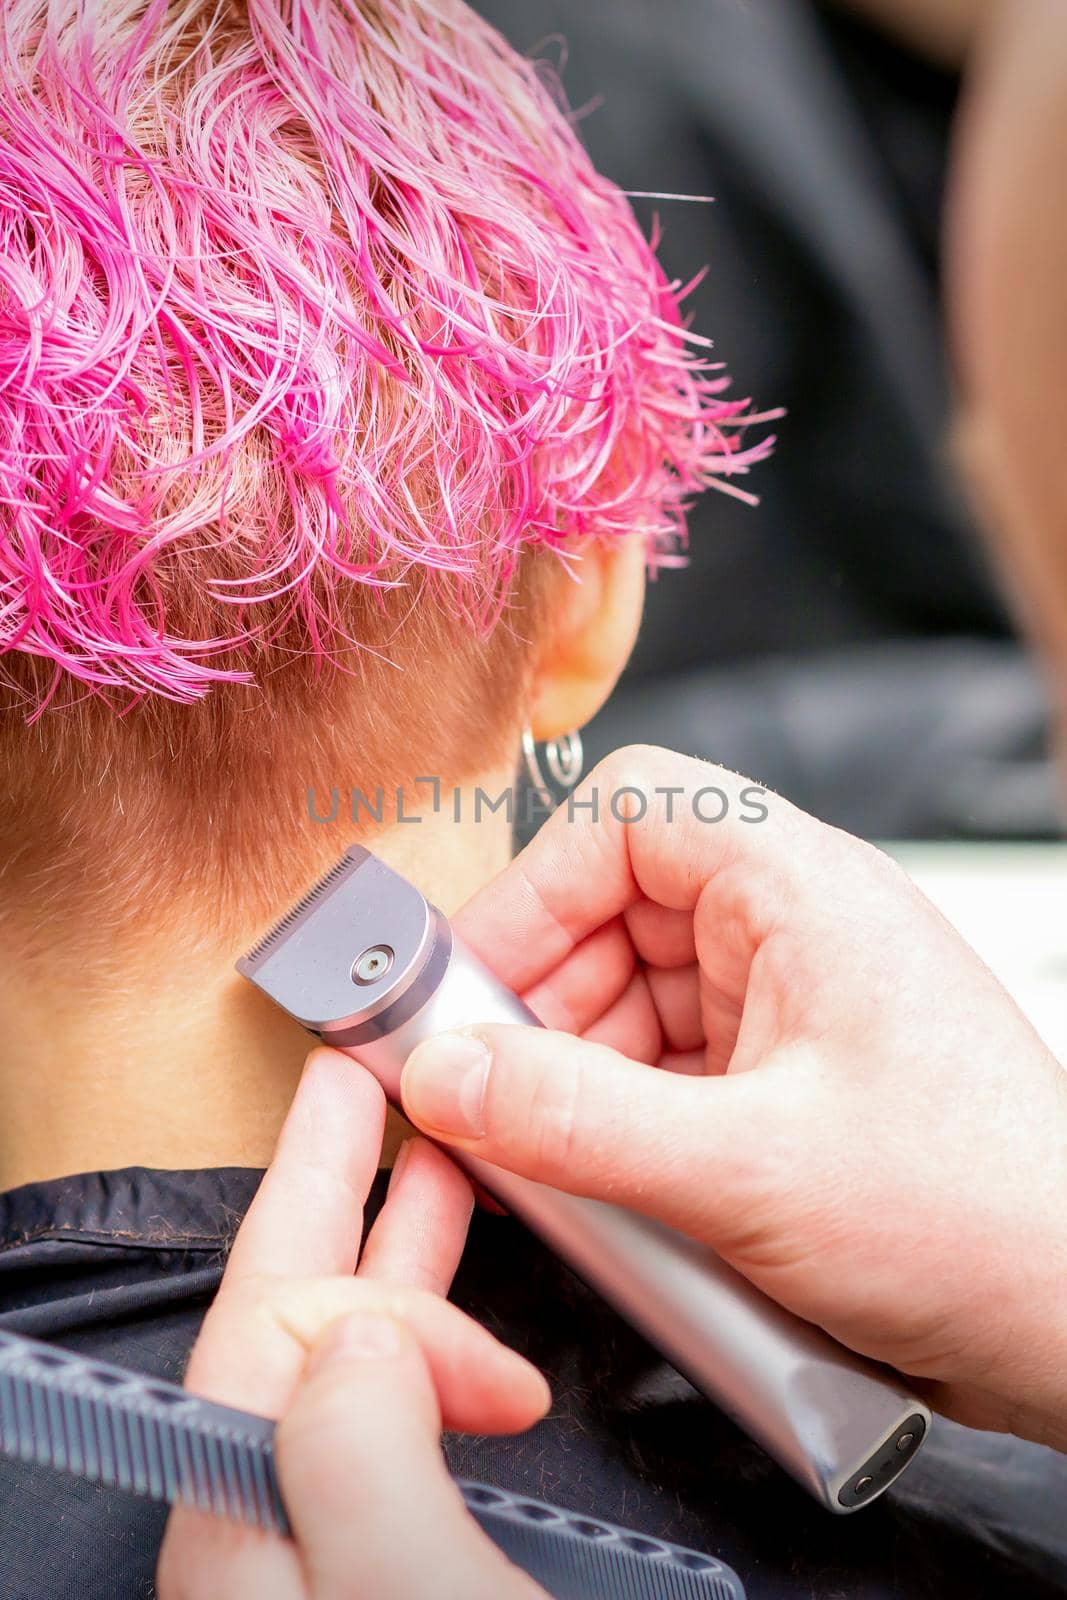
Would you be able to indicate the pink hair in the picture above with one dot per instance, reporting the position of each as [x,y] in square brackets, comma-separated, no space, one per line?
[302,296]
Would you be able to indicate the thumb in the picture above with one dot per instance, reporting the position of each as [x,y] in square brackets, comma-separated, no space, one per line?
[372,1506]
[579,1116]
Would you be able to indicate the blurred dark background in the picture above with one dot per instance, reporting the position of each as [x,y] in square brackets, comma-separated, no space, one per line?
[844,643]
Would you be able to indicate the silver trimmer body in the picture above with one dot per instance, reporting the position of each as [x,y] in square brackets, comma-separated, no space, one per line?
[365,962]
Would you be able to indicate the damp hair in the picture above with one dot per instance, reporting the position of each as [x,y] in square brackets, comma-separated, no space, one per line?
[308,307]
[324,350]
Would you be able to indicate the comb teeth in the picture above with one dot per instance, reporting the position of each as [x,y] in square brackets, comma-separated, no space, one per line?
[340,869]
[582,1558]
[102,1423]
[150,1438]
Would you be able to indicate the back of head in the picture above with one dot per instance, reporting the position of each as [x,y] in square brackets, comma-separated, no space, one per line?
[319,337]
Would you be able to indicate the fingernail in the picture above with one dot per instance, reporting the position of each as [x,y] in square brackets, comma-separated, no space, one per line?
[444,1084]
[359,1336]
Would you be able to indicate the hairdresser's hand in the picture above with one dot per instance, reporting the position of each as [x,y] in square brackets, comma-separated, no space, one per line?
[363,1371]
[866,1125]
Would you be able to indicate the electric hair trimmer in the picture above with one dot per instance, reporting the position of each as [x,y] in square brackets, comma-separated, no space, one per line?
[365,962]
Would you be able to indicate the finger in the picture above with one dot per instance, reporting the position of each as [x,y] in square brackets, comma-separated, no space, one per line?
[580,1117]
[602,992]
[307,1216]
[589,982]
[252,1350]
[662,937]
[721,1010]
[631,1025]
[371,1502]
[420,1232]
[693,1063]
[529,920]
[482,1386]
[676,994]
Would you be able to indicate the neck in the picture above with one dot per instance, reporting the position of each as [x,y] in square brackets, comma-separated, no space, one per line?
[164,1057]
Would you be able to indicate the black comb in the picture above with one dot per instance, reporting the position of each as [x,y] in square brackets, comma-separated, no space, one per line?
[100,1422]
[139,1434]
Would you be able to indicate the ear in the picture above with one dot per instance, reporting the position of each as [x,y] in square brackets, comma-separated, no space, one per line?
[592,614]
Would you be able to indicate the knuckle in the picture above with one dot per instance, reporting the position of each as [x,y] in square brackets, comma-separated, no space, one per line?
[243,1299]
[640,765]
[630,758]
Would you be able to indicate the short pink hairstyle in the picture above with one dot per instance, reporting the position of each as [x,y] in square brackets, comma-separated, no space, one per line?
[314,317]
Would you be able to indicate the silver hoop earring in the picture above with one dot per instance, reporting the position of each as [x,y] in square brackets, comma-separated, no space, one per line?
[564,759]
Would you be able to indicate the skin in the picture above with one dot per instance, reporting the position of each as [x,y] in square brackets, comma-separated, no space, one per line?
[833,1036]
[841,1065]
[353,1343]
[747,1053]
[224,1061]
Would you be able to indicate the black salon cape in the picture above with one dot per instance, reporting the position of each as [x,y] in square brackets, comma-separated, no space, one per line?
[121,1266]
